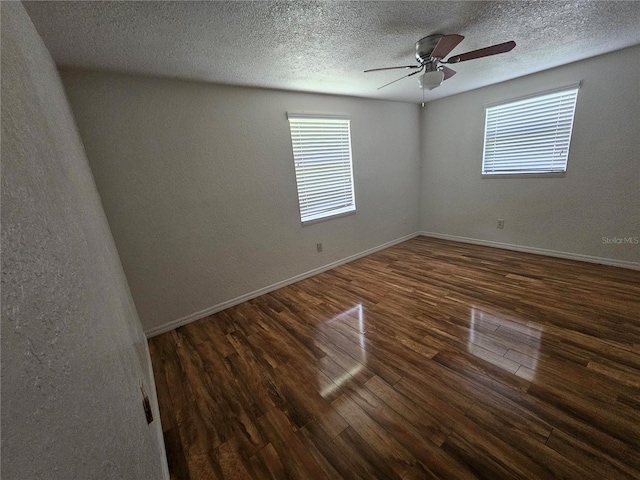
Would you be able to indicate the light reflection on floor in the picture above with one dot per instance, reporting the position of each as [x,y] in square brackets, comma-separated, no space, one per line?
[359,355]
[489,340]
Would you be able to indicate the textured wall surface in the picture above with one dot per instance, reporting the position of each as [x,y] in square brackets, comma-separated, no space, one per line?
[198,184]
[73,351]
[598,196]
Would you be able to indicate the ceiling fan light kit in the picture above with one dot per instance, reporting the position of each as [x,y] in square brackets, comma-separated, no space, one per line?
[430,53]
[431,80]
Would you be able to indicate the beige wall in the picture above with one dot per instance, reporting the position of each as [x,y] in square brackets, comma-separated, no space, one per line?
[198,185]
[73,351]
[598,197]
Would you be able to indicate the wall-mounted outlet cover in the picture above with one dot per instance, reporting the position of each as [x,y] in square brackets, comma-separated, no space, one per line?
[319,247]
[500,223]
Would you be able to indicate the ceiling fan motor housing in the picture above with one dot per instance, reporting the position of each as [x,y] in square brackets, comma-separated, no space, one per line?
[425,46]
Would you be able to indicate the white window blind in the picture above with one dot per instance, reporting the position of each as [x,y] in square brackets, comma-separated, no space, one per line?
[322,158]
[530,135]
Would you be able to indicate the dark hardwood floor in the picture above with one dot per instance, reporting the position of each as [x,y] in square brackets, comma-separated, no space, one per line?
[430,359]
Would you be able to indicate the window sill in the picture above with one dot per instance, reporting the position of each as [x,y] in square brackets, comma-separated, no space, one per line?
[524,175]
[328,217]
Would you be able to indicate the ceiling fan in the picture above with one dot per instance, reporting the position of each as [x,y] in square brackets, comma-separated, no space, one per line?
[430,52]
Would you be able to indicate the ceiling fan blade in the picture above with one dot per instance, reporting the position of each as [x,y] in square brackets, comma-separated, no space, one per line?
[391,68]
[398,79]
[445,45]
[448,73]
[483,52]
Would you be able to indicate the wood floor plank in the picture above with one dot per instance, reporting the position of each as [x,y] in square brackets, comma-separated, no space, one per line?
[491,460]
[580,453]
[620,373]
[233,464]
[387,447]
[429,359]
[623,427]
[502,415]
[398,407]
[297,461]
[266,463]
[554,465]
[363,457]
[420,439]
[419,472]
[333,461]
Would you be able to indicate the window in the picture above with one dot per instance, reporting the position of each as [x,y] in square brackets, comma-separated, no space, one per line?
[324,172]
[531,135]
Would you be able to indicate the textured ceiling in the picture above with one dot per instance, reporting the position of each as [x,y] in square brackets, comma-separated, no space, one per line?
[325,46]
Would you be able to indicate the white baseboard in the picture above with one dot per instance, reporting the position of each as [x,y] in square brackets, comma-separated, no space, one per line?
[539,251]
[488,243]
[270,288]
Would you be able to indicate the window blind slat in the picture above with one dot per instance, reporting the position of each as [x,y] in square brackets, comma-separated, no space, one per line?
[325,193]
[328,184]
[531,135]
[323,165]
[527,151]
[514,141]
[530,110]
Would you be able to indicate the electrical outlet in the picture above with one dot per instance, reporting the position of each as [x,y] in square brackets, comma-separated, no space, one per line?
[500,223]
[319,247]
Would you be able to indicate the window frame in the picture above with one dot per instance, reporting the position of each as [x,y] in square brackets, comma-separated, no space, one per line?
[573,90]
[349,208]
